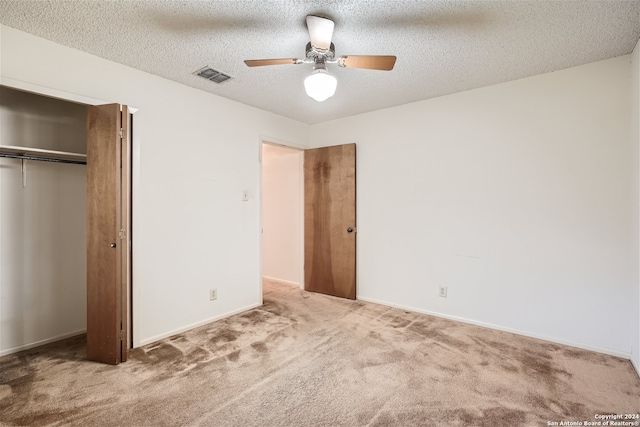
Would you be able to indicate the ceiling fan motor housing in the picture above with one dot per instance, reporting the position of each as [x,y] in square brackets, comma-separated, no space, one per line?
[320,55]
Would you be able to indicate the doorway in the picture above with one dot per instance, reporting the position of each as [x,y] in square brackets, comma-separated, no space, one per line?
[309,218]
[282,214]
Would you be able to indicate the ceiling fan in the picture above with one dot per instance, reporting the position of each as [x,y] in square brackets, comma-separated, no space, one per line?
[321,85]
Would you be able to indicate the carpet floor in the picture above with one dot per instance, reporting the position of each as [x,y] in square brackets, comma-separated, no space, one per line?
[306,359]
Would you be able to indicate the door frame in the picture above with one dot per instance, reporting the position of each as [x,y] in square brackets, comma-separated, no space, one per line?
[267,140]
[134,300]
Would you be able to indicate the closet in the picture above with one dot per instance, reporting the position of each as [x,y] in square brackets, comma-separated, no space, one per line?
[64,231]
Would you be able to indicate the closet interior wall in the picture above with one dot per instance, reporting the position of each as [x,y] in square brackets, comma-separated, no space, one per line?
[42,223]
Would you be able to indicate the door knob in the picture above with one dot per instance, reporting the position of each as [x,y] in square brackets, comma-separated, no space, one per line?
[350,230]
[113,245]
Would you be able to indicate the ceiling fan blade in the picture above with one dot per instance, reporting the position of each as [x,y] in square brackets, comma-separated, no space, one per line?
[263,62]
[375,62]
[320,31]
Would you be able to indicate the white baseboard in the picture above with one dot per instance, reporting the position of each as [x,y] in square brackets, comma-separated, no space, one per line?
[194,325]
[41,342]
[286,282]
[505,329]
[636,366]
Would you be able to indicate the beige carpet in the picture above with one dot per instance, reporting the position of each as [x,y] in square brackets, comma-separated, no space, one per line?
[311,360]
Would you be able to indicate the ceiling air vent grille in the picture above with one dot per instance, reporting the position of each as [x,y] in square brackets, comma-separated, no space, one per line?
[213,75]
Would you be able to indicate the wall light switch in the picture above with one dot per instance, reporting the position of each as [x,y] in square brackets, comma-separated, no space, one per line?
[245,196]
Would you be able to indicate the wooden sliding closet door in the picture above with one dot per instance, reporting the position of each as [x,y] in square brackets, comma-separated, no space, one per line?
[108,255]
[330,220]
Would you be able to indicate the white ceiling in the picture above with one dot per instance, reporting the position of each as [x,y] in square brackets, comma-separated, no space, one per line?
[442,46]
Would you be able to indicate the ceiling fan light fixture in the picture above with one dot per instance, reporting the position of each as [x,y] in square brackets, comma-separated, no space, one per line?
[320,85]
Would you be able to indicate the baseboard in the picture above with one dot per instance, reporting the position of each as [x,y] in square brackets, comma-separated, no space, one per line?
[41,342]
[195,325]
[286,282]
[597,349]
[635,366]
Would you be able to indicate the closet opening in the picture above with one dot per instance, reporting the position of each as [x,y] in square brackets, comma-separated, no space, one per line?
[43,221]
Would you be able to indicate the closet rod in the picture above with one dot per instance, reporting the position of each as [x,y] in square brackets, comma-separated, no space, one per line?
[43,159]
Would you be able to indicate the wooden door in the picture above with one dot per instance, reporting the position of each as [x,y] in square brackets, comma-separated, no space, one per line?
[330,220]
[107,233]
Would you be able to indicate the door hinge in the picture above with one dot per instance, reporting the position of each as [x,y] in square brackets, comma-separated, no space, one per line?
[122,234]
[120,133]
[121,335]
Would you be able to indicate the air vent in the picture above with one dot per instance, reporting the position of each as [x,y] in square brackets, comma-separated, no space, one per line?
[213,75]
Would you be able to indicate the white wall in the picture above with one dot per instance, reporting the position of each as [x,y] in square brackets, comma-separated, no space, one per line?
[635,143]
[42,225]
[195,156]
[518,197]
[282,207]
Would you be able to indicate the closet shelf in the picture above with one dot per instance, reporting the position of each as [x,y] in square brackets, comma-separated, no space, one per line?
[29,153]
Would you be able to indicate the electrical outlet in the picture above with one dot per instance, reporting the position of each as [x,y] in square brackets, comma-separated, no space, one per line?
[443,291]
[213,294]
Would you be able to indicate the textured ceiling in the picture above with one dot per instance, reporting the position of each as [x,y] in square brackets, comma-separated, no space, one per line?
[442,46]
